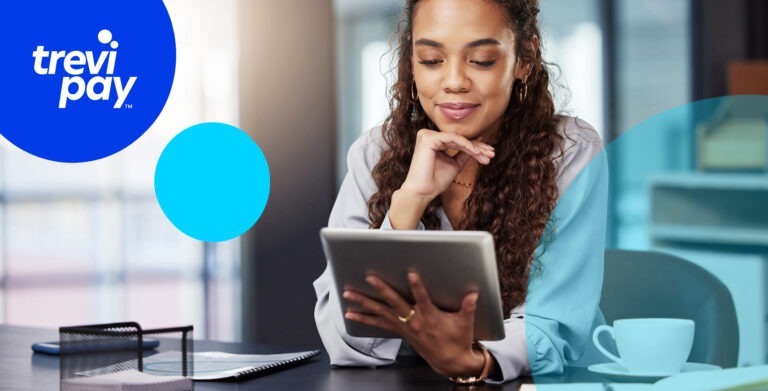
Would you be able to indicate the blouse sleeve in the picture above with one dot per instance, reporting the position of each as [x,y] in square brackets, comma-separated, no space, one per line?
[554,325]
[351,211]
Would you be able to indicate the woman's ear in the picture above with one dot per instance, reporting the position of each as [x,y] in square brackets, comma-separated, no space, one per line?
[524,64]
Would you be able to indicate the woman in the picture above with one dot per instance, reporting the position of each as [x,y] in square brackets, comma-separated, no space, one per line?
[473,142]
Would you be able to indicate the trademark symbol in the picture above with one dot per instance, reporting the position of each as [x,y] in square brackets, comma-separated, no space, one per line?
[128,106]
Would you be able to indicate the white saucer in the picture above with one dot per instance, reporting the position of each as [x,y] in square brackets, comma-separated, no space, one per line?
[615,371]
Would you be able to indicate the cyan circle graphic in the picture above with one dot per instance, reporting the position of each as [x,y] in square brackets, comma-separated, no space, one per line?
[212,181]
[82,80]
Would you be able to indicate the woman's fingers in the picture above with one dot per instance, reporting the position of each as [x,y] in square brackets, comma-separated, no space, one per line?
[420,293]
[370,305]
[461,144]
[370,320]
[439,141]
[486,157]
[468,308]
[389,295]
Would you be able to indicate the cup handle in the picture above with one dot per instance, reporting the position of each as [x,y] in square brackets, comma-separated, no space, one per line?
[603,350]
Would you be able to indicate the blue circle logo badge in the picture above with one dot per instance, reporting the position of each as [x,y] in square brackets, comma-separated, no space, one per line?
[212,181]
[82,80]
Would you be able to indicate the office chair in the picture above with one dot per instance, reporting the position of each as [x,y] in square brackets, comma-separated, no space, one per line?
[647,284]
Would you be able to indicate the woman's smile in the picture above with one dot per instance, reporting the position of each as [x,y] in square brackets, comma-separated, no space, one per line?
[458,111]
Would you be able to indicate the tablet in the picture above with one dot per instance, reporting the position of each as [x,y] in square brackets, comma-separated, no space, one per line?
[451,264]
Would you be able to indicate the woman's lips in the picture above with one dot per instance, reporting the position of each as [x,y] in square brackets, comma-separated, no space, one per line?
[457,111]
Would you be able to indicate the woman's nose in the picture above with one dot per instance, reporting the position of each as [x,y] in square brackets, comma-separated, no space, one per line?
[455,78]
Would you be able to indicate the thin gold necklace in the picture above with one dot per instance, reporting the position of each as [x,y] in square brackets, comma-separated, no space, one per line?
[465,184]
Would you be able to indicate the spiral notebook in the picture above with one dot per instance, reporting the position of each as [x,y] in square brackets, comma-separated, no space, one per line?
[220,365]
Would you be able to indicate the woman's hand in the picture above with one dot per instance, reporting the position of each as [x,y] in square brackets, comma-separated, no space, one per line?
[433,168]
[443,339]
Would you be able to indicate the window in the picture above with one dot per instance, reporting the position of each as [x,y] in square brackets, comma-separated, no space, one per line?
[85,243]
[652,65]
[572,41]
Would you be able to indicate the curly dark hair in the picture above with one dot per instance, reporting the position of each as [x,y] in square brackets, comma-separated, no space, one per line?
[515,194]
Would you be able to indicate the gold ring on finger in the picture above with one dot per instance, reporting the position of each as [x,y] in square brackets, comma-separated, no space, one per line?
[407,318]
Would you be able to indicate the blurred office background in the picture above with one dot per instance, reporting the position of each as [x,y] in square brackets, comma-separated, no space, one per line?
[85,243]
[88,243]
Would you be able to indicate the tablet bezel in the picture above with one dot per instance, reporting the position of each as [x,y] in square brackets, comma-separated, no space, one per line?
[466,260]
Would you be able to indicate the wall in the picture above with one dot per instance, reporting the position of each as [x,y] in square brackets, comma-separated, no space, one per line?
[287,103]
[725,31]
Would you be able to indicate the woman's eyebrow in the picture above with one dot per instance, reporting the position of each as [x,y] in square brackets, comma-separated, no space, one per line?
[428,42]
[483,42]
[473,44]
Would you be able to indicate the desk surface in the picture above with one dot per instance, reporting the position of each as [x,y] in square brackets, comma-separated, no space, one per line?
[21,369]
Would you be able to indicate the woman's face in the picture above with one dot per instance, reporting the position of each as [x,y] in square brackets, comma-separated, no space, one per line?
[464,64]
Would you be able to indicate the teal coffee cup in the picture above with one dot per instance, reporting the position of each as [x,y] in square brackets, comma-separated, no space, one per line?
[649,345]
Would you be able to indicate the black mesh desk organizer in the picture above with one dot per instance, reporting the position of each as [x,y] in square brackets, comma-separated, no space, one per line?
[105,348]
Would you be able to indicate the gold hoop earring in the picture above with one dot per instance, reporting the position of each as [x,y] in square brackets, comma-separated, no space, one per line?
[522,92]
[414,95]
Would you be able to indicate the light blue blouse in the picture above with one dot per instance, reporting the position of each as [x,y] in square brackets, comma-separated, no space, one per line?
[552,329]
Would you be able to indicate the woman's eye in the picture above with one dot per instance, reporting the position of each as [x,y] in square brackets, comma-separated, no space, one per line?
[484,63]
[430,62]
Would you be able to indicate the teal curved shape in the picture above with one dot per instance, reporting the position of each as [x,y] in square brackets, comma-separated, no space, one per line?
[726,139]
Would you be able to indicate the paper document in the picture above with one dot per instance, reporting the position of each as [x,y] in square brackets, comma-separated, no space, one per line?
[220,365]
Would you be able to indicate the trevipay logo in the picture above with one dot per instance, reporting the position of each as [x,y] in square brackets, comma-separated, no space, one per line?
[83,79]
[75,64]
